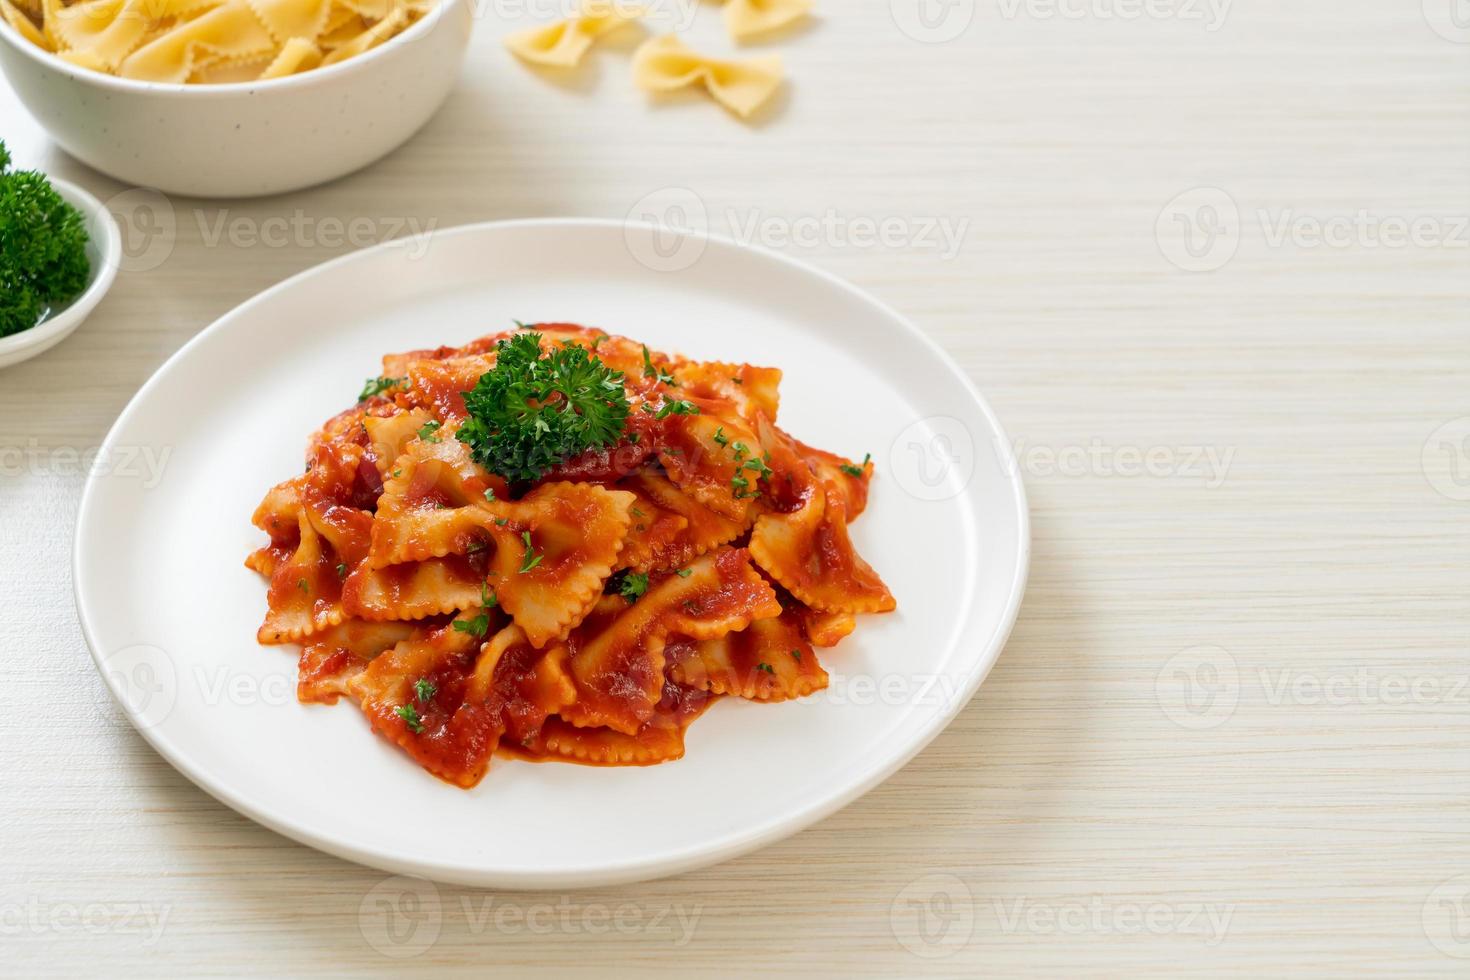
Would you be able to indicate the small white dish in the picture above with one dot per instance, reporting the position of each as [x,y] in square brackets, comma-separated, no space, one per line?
[170,611]
[248,138]
[104,253]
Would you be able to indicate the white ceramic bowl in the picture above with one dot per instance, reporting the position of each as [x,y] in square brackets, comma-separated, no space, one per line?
[104,252]
[249,138]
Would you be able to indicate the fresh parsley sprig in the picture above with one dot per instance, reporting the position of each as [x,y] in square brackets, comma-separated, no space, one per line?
[536,409]
[43,241]
[633,585]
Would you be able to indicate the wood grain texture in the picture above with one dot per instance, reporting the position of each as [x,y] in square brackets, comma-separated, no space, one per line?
[1092,811]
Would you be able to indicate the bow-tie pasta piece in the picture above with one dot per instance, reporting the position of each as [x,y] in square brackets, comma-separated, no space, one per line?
[298,55]
[23,25]
[665,64]
[562,45]
[382,31]
[230,33]
[287,19]
[746,19]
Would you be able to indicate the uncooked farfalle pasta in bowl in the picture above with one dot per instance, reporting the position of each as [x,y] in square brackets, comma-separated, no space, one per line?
[232,98]
[208,41]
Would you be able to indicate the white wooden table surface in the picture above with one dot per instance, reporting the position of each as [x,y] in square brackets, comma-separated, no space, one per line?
[1231,731]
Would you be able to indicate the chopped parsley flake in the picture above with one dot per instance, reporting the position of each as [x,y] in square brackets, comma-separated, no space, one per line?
[424,689]
[532,559]
[765,667]
[427,433]
[475,627]
[857,470]
[410,716]
[677,406]
[650,370]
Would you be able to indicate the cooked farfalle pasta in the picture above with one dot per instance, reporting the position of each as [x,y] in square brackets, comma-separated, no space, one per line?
[664,64]
[585,609]
[746,19]
[210,41]
[562,45]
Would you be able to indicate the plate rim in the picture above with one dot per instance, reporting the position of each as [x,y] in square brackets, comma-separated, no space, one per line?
[610,873]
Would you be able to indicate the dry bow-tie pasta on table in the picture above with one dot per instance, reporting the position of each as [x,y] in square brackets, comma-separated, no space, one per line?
[208,40]
[562,44]
[664,64]
[746,19]
[558,544]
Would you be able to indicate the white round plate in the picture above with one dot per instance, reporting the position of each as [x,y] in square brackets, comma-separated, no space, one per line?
[170,611]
